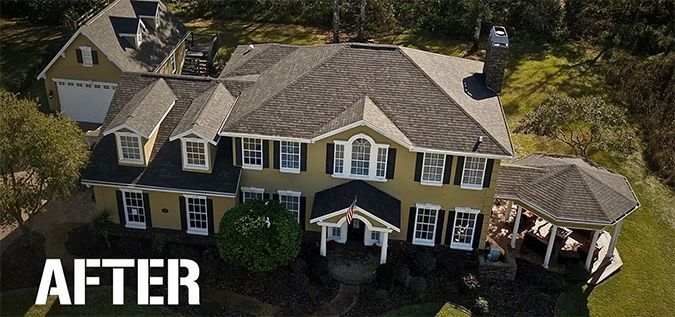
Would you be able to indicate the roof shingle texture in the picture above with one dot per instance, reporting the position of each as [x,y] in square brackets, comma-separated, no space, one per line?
[206,113]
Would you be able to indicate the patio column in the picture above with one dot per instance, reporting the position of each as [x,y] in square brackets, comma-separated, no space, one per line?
[551,241]
[615,238]
[322,250]
[383,250]
[591,249]
[514,236]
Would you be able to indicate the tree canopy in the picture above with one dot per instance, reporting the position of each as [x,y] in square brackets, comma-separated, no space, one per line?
[40,158]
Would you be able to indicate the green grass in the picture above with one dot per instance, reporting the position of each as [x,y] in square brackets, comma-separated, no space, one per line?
[428,309]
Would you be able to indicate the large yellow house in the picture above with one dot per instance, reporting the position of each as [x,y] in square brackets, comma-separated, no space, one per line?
[414,139]
[126,36]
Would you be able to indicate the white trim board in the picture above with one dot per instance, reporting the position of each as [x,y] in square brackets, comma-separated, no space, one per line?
[359,209]
[156,188]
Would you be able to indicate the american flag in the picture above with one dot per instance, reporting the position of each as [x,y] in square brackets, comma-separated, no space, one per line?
[350,211]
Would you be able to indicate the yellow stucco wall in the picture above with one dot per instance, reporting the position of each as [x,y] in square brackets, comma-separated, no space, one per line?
[165,68]
[403,186]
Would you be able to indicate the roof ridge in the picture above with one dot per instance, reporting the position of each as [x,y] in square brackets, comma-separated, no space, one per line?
[100,13]
[609,187]
[577,169]
[454,103]
[211,91]
[142,97]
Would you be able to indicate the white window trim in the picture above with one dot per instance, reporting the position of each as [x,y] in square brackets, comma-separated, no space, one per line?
[86,53]
[291,193]
[254,190]
[422,242]
[184,154]
[473,186]
[286,169]
[133,224]
[463,246]
[372,164]
[120,158]
[432,183]
[196,231]
[262,156]
[174,65]
[343,233]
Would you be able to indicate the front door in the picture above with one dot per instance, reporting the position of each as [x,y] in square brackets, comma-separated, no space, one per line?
[355,231]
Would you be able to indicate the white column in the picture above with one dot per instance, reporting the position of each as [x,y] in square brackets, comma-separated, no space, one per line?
[515,227]
[322,250]
[551,241]
[591,249]
[383,250]
[615,238]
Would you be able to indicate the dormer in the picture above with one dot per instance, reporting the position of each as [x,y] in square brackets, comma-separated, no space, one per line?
[147,11]
[129,30]
[199,127]
[136,125]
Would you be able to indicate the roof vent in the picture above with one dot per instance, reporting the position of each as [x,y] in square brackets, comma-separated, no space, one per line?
[250,48]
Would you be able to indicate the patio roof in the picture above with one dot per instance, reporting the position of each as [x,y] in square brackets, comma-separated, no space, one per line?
[569,189]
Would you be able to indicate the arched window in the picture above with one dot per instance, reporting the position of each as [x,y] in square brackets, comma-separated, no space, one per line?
[360,157]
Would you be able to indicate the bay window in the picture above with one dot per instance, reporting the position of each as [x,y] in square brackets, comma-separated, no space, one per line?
[473,172]
[360,157]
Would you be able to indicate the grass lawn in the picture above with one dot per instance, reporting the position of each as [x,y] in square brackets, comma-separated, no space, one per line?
[428,309]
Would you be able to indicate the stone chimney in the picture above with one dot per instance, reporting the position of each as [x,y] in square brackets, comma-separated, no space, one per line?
[495,58]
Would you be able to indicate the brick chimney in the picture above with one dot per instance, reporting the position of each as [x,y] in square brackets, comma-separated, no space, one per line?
[495,58]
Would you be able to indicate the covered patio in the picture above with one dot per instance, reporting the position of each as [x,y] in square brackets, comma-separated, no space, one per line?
[555,210]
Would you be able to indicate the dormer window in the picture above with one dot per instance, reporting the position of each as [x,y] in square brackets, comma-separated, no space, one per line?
[195,154]
[129,148]
[360,157]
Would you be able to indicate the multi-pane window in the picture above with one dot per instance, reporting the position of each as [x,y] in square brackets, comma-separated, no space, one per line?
[130,148]
[375,237]
[292,202]
[252,193]
[195,154]
[360,157]
[425,225]
[252,152]
[474,168]
[290,155]
[463,229]
[381,169]
[197,215]
[432,168]
[134,209]
[335,233]
[339,167]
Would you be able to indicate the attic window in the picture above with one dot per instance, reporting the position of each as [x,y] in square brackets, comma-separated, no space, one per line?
[195,154]
[129,148]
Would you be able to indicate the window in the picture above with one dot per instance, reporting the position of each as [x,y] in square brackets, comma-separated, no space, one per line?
[97,86]
[252,153]
[197,215]
[361,158]
[289,156]
[129,148]
[291,200]
[375,237]
[432,168]
[463,228]
[474,168]
[195,154]
[335,233]
[86,56]
[173,64]
[134,209]
[87,85]
[252,193]
[78,84]
[425,224]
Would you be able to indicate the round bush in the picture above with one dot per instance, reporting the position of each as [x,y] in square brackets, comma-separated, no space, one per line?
[386,275]
[423,263]
[470,283]
[259,235]
[481,306]
[418,285]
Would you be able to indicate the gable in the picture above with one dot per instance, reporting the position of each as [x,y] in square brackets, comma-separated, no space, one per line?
[64,64]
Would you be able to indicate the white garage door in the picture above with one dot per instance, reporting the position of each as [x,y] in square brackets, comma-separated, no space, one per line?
[85,101]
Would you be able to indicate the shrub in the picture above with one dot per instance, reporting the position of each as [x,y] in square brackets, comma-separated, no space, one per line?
[576,274]
[470,283]
[552,282]
[381,295]
[423,263]
[481,306]
[157,245]
[318,266]
[100,224]
[259,235]
[386,275]
[403,276]
[418,285]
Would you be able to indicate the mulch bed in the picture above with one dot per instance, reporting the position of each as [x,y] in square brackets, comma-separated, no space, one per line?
[22,262]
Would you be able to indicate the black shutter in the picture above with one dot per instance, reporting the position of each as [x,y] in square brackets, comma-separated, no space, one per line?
[439,226]
[275,154]
[266,196]
[120,208]
[228,148]
[476,232]
[148,210]
[418,166]
[183,213]
[94,57]
[303,211]
[237,151]
[330,156]
[241,197]
[411,224]
[448,169]
[303,157]
[78,54]
[488,172]
[266,153]
[450,227]
[391,163]
[209,215]
[459,169]
[275,197]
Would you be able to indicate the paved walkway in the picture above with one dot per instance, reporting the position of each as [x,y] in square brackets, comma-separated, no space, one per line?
[344,300]
[239,302]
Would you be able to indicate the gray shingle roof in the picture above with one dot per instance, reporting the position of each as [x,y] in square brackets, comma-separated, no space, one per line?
[567,188]
[146,109]
[146,8]
[422,95]
[245,61]
[206,113]
[120,17]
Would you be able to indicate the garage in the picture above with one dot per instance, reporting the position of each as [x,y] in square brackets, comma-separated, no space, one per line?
[85,101]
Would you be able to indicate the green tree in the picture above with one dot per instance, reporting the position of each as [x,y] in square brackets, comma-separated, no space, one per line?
[259,235]
[584,124]
[40,158]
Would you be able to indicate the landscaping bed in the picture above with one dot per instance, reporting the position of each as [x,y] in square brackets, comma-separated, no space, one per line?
[22,262]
